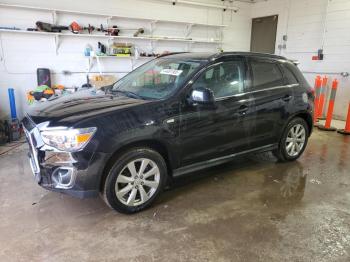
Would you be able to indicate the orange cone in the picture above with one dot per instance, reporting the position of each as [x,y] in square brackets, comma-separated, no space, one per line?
[346,131]
[327,126]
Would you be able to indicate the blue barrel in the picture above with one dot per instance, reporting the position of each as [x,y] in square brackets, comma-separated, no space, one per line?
[11,92]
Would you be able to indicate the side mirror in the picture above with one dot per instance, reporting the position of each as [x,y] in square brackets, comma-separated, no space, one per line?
[202,96]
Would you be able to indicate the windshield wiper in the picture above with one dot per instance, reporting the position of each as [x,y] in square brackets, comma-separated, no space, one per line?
[106,88]
[127,93]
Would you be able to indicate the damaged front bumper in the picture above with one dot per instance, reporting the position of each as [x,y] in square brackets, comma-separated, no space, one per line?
[77,174]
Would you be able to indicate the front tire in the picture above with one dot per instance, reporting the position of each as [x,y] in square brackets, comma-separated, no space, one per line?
[135,180]
[293,141]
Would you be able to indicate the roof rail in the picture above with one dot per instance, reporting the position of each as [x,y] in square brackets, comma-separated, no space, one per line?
[295,62]
[171,53]
[250,54]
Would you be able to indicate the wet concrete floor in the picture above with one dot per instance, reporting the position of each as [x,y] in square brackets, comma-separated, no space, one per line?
[247,210]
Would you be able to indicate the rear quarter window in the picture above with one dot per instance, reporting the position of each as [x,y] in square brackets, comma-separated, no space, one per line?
[289,75]
[297,73]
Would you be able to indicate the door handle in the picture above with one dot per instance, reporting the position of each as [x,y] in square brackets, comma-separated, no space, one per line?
[242,110]
[287,98]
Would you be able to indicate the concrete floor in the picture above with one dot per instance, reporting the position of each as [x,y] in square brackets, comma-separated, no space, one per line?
[248,210]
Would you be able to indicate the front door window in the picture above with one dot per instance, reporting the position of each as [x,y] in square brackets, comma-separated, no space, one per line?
[224,79]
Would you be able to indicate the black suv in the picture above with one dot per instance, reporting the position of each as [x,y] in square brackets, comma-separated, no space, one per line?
[173,115]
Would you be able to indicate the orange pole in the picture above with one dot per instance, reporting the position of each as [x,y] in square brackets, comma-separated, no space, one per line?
[322,97]
[347,126]
[318,83]
[346,131]
[331,104]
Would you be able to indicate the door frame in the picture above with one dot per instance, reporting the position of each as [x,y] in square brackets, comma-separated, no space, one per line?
[227,99]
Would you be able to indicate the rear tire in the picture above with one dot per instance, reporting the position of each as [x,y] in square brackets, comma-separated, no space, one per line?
[293,141]
[135,180]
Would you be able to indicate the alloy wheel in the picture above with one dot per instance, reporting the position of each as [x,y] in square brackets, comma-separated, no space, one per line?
[295,140]
[137,182]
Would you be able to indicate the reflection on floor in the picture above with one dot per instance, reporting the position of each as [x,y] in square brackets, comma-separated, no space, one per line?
[247,210]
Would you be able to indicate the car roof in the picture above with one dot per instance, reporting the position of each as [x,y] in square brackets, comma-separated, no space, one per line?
[214,56]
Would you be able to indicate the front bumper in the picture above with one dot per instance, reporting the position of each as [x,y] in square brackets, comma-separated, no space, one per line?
[77,174]
[84,184]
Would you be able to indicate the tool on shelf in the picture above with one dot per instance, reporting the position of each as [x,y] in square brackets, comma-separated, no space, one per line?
[102,49]
[47,27]
[121,50]
[139,32]
[75,28]
[112,31]
[90,28]
[115,30]
[10,28]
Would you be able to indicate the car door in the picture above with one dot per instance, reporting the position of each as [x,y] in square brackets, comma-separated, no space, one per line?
[272,100]
[222,129]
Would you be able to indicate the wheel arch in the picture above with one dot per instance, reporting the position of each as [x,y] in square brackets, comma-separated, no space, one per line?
[309,122]
[302,114]
[155,145]
[307,117]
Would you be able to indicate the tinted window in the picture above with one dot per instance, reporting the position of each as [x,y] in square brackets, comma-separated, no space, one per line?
[289,76]
[266,74]
[224,79]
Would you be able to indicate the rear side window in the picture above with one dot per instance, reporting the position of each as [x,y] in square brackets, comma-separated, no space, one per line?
[266,74]
[289,76]
[299,76]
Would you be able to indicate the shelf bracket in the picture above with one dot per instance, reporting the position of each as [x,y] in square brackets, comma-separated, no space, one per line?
[188,30]
[219,34]
[109,41]
[54,17]
[89,63]
[153,46]
[153,25]
[57,43]
[108,21]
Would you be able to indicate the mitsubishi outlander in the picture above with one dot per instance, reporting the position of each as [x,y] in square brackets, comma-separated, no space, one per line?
[171,116]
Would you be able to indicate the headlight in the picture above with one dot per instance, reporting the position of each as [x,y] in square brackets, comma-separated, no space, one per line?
[70,140]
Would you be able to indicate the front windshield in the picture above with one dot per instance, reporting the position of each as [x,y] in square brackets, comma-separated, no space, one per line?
[158,78]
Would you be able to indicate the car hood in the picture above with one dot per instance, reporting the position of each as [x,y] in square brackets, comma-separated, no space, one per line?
[82,105]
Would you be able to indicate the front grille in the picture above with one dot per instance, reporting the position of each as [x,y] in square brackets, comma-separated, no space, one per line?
[33,152]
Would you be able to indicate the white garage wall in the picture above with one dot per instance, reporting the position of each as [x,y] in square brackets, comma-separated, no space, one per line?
[303,21]
[21,54]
